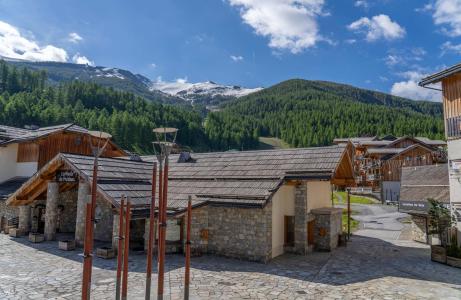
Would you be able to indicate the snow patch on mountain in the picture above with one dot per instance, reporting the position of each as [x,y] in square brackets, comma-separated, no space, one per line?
[189,91]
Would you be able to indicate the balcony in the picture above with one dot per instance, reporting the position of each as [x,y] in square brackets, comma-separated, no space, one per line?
[454,127]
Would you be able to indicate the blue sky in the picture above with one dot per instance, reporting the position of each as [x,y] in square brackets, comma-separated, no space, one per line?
[384,45]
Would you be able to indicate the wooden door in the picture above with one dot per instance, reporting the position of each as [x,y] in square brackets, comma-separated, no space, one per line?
[310,232]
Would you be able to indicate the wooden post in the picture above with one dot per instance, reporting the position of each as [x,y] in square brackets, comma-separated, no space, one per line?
[161,254]
[151,233]
[126,250]
[89,233]
[348,213]
[160,232]
[120,249]
[187,268]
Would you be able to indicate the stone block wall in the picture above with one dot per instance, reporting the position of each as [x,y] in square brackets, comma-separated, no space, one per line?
[301,218]
[67,211]
[103,229]
[244,233]
[328,227]
[7,212]
[418,228]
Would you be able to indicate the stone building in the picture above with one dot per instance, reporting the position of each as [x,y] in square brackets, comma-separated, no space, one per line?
[24,151]
[418,185]
[252,205]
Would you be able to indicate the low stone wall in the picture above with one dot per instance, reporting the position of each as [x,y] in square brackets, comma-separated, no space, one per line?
[328,227]
[7,212]
[103,229]
[418,228]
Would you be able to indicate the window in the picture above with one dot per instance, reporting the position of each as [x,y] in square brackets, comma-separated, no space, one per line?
[289,231]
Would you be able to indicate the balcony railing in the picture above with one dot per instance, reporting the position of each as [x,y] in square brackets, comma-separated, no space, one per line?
[454,127]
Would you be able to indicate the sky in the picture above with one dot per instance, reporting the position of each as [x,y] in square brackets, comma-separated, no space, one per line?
[384,45]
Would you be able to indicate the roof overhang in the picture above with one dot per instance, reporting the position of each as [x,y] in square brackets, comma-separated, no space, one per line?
[437,77]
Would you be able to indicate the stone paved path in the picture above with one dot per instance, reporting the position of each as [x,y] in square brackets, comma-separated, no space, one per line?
[368,268]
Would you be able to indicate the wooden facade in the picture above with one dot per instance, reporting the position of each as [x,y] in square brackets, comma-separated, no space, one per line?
[44,149]
[452,105]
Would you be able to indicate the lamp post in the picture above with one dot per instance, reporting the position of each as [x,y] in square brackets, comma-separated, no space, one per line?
[166,138]
[151,232]
[97,150]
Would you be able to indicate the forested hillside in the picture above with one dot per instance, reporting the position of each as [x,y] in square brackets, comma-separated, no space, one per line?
[25,99]
[312,113]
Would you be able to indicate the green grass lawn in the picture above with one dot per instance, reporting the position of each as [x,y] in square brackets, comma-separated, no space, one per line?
[272,143]
[354,223]
[354,198]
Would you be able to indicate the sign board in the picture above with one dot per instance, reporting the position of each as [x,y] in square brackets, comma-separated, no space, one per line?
[66,176]
[416,206]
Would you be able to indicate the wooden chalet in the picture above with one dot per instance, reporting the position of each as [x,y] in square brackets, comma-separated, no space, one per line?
[378,161]
[25,151]
[252,204]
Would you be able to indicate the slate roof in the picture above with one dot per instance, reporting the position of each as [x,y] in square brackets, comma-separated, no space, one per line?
[10,135]
[423,182]
[8,187]
[247,178]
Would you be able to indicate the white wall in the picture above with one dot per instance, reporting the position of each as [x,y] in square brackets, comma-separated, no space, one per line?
[8,157]
[9,168]
[318,194]
[283,204]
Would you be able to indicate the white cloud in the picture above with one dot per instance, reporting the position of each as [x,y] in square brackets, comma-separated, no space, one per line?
[448,14]
[409,88]
[152,65]
[14,45]
[378,27]
[404,56]
[289,24]
[350,41]
[236,58]
[361,3]
[74,38]
[82,60]
[449,47]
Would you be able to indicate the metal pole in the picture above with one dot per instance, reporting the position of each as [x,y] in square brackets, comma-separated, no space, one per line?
[151,233]
[126,250]
[187,271]
[161,265]
[348,214]
[120,249]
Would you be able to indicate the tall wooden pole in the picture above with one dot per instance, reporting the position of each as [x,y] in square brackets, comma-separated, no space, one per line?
[160,207]
[126,250]
[120,248]
[151,233]
[187,268]
[161,264]
[348,214]
[89,231]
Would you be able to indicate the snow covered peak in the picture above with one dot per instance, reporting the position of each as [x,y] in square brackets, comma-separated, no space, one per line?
[189,91]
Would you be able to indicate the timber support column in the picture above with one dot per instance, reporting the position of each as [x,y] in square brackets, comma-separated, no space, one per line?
[82,200]
[51,215]
[146,235]
[301,218]
[24,219]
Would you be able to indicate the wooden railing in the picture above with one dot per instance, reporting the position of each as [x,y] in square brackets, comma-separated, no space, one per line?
[454,127]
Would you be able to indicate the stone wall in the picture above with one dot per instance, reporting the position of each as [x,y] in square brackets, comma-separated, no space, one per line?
[7,212]
[418,228]
[328,227]
[67,211]
[103,229]
[301,218]
[243,233]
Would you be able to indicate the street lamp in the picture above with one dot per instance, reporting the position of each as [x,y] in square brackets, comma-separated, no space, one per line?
[166,138]
[97,150]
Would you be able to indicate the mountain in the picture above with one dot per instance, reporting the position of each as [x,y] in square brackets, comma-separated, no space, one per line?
[207,93]
[307,113]
[179,92]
